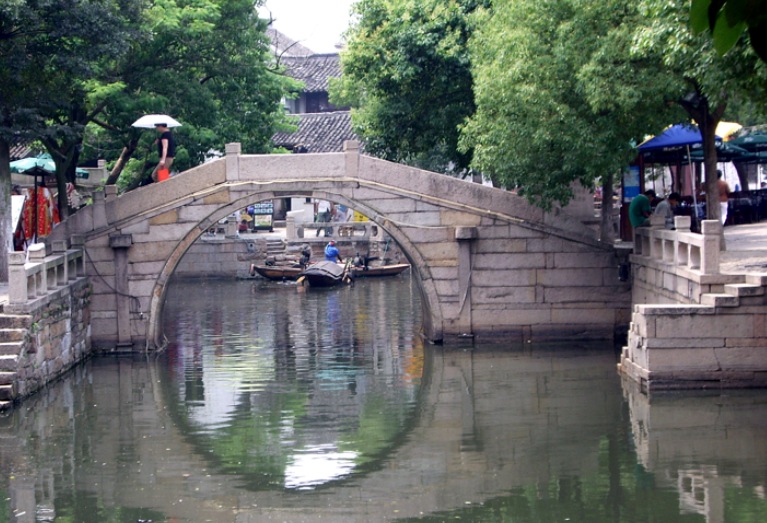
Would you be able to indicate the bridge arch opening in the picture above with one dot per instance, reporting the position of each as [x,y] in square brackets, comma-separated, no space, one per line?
[431,314]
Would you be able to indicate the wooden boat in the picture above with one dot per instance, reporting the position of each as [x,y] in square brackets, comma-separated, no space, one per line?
[292,272]
[277,272]
[326,274]
[379,270]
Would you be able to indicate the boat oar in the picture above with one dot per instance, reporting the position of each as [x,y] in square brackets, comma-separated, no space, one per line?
[301,279]
[347,275]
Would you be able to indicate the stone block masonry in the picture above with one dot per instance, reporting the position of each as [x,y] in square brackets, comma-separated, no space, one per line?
[692,327]
[45,328]
[487,263]
[57,337]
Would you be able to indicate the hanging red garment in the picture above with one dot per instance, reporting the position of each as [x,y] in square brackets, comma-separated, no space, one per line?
[44,216]
[54,211]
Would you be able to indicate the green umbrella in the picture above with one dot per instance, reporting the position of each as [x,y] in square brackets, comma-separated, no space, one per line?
[725,152]
[751,142]
[44,162]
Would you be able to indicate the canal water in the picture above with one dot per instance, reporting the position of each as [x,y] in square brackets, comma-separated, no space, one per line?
[274,402]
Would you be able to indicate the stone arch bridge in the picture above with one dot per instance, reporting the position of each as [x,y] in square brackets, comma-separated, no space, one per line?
[487,263]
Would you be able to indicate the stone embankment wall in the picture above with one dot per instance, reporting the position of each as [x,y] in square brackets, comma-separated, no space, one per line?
[45,328]
[691,326]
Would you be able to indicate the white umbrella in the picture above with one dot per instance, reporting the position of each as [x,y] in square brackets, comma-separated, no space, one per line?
[148,121]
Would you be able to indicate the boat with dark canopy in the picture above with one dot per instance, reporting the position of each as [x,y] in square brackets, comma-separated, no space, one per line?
[326,274]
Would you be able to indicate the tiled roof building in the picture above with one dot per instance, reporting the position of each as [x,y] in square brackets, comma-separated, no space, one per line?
[314,70]
[318,133]
[20,150]
[322,127]
[283,46]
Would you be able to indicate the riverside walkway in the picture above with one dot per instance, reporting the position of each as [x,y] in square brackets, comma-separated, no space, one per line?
[746,249]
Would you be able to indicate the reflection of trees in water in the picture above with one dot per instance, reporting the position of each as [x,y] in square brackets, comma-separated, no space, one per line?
[287,368]
[555,440]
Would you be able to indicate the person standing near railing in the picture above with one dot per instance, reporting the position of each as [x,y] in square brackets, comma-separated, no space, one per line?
[323,211]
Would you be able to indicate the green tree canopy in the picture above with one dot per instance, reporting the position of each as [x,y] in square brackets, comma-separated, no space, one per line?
[406,75]
[729,19]
[46,49]
[206,62]
[711,81]
[559,99]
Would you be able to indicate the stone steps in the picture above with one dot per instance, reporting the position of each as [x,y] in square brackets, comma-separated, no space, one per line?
[759,280]
[10,348]
[13,330]
[736,294]
[15,321]
[6,396]
[7,391]
[274,247]
[719,300]
[743,289]
[9,362]
[12,334]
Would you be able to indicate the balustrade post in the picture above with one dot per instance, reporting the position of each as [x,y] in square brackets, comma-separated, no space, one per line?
[290,227]
[59,248]
[110,209]
[709,255]
[18,285]
[36,254]
[78,242]
[233,151]
[99,210]
[352,158]
[682,223]
[230,228]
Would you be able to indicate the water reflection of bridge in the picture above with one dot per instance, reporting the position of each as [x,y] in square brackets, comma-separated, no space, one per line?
[543,426]
[502,434]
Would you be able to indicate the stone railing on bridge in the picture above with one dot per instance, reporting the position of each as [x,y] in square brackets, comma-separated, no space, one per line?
[338,230]
[35,275]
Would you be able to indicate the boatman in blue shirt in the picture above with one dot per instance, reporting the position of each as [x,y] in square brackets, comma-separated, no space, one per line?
[331,252]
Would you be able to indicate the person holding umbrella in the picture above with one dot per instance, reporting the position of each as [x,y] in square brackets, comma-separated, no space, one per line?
[166,144]
[166,149]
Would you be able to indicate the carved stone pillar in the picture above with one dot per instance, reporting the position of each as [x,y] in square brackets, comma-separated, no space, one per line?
[465,236]
[120,243]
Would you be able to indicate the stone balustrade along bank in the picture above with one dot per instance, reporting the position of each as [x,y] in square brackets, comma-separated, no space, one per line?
[693,327]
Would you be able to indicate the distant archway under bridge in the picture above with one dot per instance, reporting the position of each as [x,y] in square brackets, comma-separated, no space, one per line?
[488,264]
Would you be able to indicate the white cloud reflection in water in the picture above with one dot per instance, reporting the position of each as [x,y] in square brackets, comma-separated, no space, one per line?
[313,466]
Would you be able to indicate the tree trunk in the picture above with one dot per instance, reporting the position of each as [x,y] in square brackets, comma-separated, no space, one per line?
[743,171]
[697,106]
[606,222]
[6,234]
[125,155]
